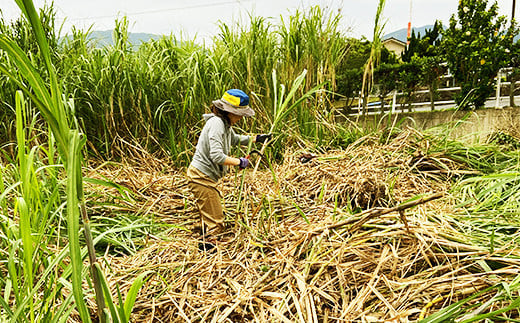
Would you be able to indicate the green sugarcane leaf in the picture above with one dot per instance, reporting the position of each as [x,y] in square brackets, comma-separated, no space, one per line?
[26,69]
[481,317]
[132,294]
[283,115]
[27,7]
[41,96]
[73,215]
[108,294]
[20,128]
[11,269]
[449,313]
[6,308]
[295,86]
[27,241]
[300,211]
[121,306]
[43,279]
[63,312]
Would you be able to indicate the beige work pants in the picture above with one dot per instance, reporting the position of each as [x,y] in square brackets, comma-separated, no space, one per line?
[207,199]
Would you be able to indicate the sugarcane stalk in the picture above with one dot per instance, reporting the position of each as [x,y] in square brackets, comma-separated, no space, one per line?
[372,213]
[363,217]
[282,107]
[100,300]
[242,179]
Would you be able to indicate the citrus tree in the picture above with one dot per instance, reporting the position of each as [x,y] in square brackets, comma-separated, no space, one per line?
[476,45]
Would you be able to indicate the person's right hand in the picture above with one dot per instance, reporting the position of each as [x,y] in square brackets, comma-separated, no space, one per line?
[264,137]
[244,162]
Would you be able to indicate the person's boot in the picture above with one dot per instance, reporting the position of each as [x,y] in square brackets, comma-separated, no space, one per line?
[209,238]
[206,246]
[197,231]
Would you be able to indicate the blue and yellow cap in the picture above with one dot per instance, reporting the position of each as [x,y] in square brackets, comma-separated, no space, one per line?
[235,101]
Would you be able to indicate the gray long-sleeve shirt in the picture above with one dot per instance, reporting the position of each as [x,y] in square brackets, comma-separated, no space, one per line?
[215,142]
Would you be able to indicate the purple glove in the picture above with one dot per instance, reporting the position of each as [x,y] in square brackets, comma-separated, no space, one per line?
[244,162]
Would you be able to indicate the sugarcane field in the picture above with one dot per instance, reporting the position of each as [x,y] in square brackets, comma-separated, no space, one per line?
[280,170]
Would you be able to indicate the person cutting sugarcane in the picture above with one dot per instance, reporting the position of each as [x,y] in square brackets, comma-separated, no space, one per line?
[211,159]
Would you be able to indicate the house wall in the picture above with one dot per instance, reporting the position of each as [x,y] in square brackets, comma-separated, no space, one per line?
[394,47]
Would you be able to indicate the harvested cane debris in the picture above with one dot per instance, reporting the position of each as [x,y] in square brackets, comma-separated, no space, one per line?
[297,251]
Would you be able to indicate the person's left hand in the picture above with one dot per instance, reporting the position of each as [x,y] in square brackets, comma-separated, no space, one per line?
[244,162]
[261,138]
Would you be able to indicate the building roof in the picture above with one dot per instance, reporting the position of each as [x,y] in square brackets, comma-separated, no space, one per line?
[393,39]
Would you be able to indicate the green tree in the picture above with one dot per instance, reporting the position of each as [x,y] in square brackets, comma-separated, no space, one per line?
[412,48]
[476,45]
[409,80]
[386,75]
[349,73]
[426,46]
[426,53]
[431,70]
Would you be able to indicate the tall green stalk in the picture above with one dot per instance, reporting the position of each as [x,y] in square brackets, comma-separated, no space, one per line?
[284,106]
[26,175]
[60,116]
[375,54]
[27,238]
[50,102]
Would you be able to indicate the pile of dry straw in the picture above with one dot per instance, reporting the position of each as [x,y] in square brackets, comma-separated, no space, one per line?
[286,259]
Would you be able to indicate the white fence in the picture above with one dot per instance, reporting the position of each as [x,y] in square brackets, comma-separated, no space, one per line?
[391,101]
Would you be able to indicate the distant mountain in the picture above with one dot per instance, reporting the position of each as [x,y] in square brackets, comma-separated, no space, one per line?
[101,38]
[104,37]
[402,33]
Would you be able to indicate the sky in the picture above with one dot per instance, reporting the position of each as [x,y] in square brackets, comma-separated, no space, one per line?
[198,18]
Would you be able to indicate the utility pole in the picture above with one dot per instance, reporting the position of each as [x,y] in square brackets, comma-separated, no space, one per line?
[410,25]
[513,12]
